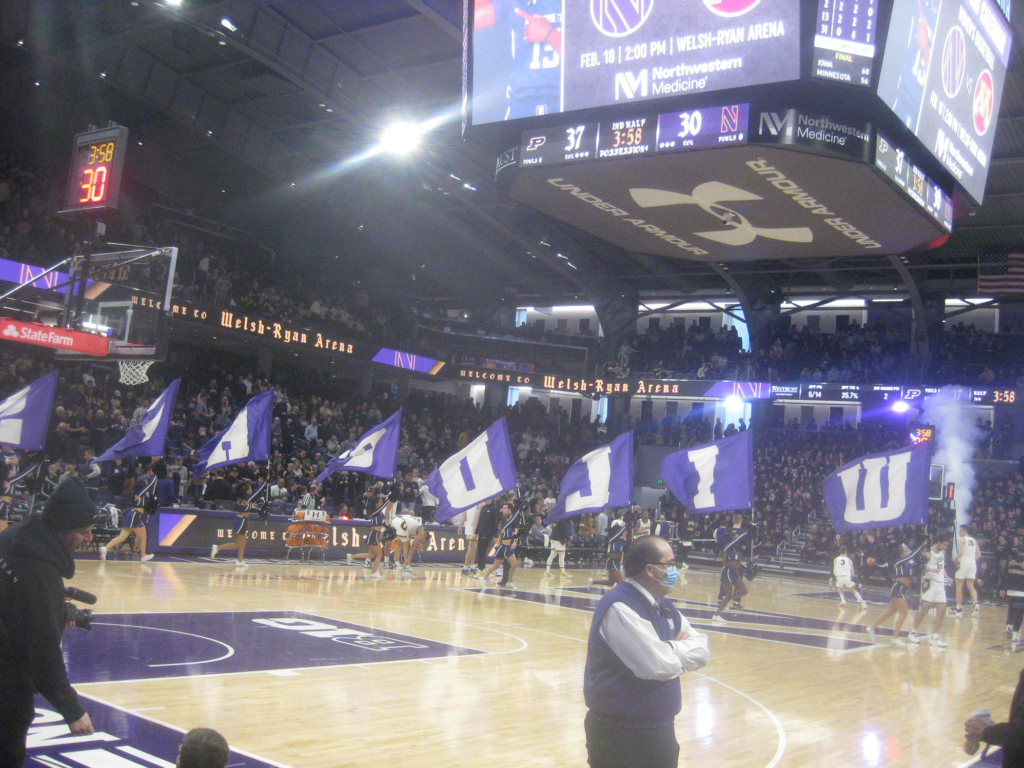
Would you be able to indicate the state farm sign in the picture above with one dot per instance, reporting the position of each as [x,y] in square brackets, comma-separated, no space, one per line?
[58,338]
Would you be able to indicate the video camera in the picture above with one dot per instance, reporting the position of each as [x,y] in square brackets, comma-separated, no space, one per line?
[80,617]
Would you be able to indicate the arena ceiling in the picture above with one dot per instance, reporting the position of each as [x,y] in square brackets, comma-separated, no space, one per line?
[266,126]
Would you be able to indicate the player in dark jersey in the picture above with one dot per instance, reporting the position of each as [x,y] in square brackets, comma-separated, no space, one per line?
[1012,588]
[134,520]
[618,538]
[243,508]
[535,26]
[903,570]
[920,41]
[511,521]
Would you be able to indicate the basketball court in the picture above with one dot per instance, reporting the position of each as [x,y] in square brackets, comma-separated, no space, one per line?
[313,665]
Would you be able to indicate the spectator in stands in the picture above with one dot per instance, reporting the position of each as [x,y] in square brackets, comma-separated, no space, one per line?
[203,748]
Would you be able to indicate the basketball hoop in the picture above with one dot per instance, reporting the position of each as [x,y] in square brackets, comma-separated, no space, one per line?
[134,371]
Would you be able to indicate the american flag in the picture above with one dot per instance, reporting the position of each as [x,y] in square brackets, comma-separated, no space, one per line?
[1001,275]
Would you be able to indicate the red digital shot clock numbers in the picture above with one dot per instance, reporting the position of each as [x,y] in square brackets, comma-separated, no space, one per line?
[94,180]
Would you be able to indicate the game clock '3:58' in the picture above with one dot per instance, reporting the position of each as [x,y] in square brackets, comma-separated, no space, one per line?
[94,179]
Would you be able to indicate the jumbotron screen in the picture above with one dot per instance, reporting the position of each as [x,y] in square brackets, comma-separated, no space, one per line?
[538,57]
[942,75]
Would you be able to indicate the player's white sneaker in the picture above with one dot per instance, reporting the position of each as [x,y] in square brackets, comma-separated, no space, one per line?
[915,636]
[590,582]
[103,553]
[871,634]
[719,620]
[348,558]
[241,564]
[374,576]
[842,601]
[938,641]
[146,558]
[510,585]
[977,609]
[1009,630]
[1015,637]
[483,582]
[564,575]
[213,550]
[899,641]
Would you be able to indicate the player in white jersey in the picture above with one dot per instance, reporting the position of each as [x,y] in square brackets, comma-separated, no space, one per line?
[842,569]
[409,532]
[933,592]
[967,554]
[467,527]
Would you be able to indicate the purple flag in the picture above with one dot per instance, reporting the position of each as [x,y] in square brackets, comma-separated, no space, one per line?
[25,415]
[376,453]
[480,471]
[602,478]
[713,477]
[883,490]
[247,439]
[148,437]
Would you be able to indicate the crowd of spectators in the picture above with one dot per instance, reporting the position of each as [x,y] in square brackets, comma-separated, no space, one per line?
[684,351]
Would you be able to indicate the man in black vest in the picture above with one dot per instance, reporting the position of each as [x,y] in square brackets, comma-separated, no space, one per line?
[639,646]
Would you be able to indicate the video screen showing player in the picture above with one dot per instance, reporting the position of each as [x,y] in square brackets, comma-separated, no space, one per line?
[517,59]
[908,56]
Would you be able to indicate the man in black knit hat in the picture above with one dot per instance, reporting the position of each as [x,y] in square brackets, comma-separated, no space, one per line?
[36,555]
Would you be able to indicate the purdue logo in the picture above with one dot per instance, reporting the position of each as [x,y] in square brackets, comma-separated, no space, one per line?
[875,488]
[709,197]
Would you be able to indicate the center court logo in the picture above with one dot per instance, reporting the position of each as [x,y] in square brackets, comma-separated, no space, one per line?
[709,197]
[617,18]
[731,7]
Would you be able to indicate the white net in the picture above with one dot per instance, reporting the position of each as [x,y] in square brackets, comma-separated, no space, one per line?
[134,371]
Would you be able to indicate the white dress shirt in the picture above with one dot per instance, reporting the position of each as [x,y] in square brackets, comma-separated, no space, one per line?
[635,641]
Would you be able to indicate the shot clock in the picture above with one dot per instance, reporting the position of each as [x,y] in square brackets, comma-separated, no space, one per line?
[94,180]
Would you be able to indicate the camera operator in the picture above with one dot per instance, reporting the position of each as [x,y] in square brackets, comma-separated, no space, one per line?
[36,556]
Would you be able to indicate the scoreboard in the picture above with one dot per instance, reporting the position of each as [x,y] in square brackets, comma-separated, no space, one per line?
[636,136]
[844,41]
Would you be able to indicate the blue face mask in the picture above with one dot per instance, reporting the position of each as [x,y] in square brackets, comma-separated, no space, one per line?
[671,576]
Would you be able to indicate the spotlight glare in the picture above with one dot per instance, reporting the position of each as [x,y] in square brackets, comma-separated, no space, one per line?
[228,24]
[900,407]
[401,138]
[733,402]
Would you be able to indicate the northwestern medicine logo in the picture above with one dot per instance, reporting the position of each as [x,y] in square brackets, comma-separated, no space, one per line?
[709,197]
[617,18]
[731,7]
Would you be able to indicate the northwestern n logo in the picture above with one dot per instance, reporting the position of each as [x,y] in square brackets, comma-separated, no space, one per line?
[710,196]
[875,489]
[616,18]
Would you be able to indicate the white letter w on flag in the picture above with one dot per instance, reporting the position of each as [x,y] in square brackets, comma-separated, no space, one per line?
[874,510]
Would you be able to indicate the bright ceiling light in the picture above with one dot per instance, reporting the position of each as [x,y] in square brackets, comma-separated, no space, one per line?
[900,407]
[228,24]
[401,138]
[733,403]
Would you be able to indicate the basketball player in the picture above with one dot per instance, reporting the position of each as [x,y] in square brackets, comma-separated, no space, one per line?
[618,537]
[534,87]
[933,592]
[1012,588]
[903,569]
[134,521]
[561,534]
[686,530]
[467,529]
[374,545]
[920,44]
[243,494]
[966,561]
[512,519]
[842,569]
[409,535]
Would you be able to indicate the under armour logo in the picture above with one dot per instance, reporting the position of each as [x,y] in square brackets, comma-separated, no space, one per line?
[710,196]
